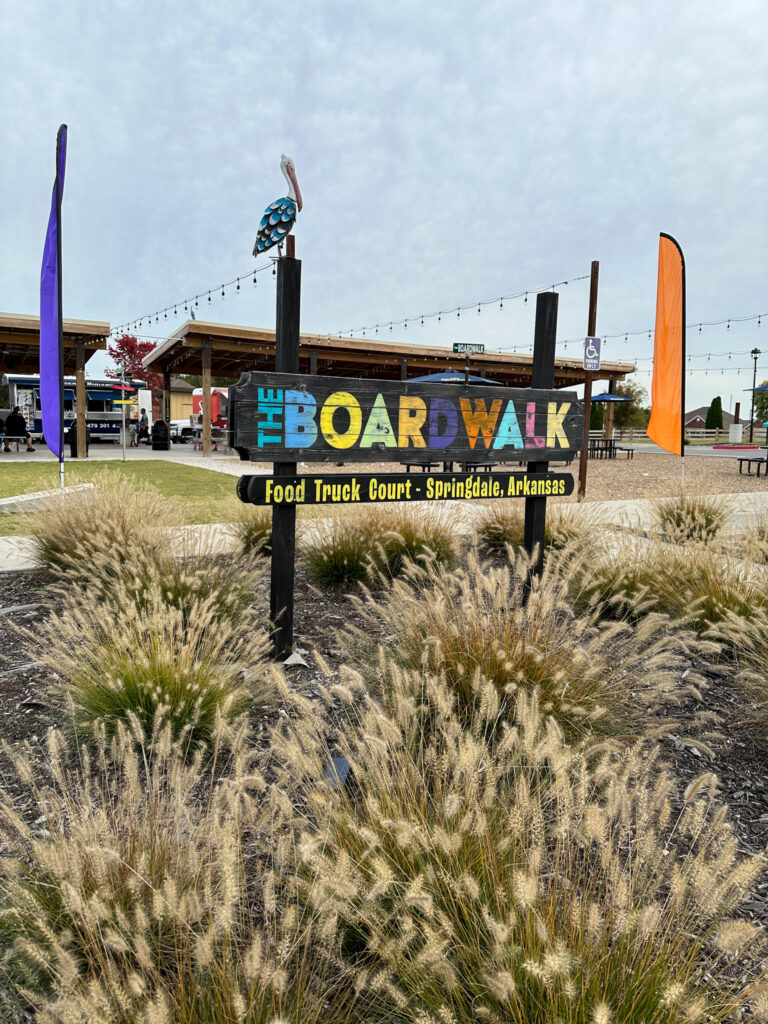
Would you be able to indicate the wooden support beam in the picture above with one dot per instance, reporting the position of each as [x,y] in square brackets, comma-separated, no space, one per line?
[167,393]
[608,429]
[403,369]
[206,356]
[313,361]
[591,328]
[80,398]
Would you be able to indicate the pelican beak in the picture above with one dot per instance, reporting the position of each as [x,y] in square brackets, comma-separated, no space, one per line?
[292,175]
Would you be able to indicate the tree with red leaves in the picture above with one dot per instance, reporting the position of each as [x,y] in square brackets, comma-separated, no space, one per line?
[127,351]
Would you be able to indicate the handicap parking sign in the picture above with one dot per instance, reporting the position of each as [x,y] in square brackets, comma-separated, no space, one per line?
[592,354]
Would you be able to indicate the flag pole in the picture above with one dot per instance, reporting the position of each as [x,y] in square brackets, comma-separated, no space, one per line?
[60,325]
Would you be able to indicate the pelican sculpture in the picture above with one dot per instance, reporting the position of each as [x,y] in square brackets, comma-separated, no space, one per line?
[280,216]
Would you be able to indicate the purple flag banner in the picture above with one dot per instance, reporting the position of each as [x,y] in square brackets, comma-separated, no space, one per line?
[51,341]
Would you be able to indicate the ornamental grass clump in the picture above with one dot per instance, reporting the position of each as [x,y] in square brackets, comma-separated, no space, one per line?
[520,879]
[690,518]
[502,525]
[422,534]
[373,544]
[117,521]
[696,585]
[481,619]
[154,664]
[252,528]
[190,569]
[149,895]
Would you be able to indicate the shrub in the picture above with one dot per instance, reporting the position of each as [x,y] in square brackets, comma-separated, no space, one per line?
[253,529]
[690,517]
[117,520]
[153,664]
[479,620]
[521,880]
[150,896]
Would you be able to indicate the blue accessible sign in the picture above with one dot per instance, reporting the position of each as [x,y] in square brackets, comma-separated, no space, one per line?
[592,354]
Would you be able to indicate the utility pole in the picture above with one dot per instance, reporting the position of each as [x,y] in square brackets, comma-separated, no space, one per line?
[591,329]
[754,353]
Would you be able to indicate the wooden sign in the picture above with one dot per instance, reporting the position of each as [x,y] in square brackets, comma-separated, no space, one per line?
[283,417]
[361,488]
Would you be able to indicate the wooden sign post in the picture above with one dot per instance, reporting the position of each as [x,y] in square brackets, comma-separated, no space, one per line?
[285,416]
[542,376]
[287,330]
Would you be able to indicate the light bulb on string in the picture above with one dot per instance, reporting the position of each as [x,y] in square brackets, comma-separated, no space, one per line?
[699,328]
[728,326]
[254,279]
[478,309]
[222,292]
[526,298]
[209,298]
[458,314]
[165,315]
[501,303]
[185,307]
[422,321]
[439,317]
[196,302]
[274,270]
[238,285]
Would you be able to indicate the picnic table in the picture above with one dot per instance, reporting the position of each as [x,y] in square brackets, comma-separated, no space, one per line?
[758,461]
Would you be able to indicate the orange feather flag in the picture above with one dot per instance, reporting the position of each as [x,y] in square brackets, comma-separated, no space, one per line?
[666,425]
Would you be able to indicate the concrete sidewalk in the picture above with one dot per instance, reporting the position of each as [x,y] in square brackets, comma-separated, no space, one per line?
[637,514]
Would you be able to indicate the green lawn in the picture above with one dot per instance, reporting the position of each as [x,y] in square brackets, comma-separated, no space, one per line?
[205,496]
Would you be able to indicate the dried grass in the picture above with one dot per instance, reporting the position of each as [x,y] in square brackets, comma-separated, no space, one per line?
[514,879]
[116,521]
[480,620]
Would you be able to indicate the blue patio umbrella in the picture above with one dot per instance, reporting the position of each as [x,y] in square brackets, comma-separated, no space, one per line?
[452,377]
[608,397]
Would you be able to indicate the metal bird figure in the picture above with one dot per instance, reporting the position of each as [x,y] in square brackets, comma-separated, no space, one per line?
[280,216]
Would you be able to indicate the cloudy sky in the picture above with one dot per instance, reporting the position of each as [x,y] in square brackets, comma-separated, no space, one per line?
[448,152]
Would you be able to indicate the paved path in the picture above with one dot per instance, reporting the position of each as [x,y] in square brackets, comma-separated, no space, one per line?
[182,454]
[637,514]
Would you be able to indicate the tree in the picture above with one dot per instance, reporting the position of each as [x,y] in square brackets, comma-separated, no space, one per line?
[197,381]
[761,404]
[714,420]
[634,413]
[127,351]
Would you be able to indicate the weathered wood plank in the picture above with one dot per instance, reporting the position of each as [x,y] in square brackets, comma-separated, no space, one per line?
[279,417]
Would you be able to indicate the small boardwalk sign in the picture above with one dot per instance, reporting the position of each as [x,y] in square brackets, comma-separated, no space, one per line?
[469,348]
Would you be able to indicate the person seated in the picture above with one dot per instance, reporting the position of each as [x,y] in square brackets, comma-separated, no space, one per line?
[16,426]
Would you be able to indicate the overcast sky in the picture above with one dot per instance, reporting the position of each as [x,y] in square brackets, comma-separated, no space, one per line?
[447,152]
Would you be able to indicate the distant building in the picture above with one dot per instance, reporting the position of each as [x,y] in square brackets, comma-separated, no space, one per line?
[181,399]
[696,419]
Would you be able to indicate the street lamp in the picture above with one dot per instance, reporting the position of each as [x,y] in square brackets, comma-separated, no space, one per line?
[754,353]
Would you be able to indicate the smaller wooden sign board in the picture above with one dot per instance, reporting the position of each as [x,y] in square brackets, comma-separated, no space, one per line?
[361,488]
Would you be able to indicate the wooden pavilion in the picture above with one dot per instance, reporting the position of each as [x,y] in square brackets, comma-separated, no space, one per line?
[20,353]
[200,347]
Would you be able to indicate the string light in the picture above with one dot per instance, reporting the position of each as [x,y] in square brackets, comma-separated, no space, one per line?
[187,303]
[438,314]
